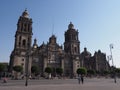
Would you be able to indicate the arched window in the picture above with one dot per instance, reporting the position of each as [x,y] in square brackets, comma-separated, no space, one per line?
[28,39]
[22,27]
[25,27]
[75,49]
[28,27]
[24,43]
[28,42]
[20,38]
[20,41]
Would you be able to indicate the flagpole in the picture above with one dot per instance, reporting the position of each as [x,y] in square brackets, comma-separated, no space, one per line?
[111,47]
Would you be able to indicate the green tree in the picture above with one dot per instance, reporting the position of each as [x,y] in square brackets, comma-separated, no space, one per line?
[59,71]
[117,70]
[35,69]
[17,69]
[48,70]
[106,72]
[2,68]
[81,71]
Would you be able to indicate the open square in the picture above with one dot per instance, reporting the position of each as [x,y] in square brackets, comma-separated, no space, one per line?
[62,84]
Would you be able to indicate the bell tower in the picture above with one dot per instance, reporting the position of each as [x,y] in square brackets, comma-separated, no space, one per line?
[72,50]
[71,44]
[23,36]
[23,40]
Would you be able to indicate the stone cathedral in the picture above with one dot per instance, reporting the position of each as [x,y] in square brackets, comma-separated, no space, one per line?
[46,55]
[49,54]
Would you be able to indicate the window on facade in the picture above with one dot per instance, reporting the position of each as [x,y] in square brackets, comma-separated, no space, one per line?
[25,27]
[28,39]
[28,42]
[19,40]
[75,37]
[29,27]
[22,59]
[19,43]
[22,27]
[24,43]
[75,49]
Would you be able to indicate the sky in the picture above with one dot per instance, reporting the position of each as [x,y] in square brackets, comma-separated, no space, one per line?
[98,23]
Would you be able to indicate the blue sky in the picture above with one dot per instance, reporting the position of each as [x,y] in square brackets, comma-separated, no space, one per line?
[98,23]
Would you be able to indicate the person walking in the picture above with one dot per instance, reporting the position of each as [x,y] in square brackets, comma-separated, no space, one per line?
[79,79]
[82,78]
[4,80]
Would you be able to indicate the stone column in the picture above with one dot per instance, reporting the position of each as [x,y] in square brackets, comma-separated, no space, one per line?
[74,67]
[45,63]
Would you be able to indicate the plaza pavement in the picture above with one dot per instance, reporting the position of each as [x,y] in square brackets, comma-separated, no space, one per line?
[72,84]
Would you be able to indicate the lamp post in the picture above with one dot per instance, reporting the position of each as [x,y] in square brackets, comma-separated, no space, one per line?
[27,66]
[114,74]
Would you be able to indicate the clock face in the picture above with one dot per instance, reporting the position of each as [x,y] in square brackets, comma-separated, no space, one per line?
[35,46]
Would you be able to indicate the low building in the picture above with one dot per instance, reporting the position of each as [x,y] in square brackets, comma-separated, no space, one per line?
[97,62]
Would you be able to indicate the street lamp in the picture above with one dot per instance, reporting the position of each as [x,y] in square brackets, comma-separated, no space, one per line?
[111,47]
[27,66]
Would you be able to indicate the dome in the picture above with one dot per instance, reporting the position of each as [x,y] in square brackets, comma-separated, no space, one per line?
[85,52]
[53,36]
[35,43]
[70,26]
[25,14]
[52,39]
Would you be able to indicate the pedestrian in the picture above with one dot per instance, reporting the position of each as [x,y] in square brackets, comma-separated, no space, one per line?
[79,79]
[82,78]
[4,80]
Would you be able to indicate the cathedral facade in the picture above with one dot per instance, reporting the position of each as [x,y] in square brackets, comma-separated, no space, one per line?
[50,54]
[46,55]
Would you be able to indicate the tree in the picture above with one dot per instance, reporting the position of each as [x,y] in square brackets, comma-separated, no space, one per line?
[35,69]
[106,72]
[48,70]
[59,71]
[117,70]
[2,68]
[81,71]
[17,69]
